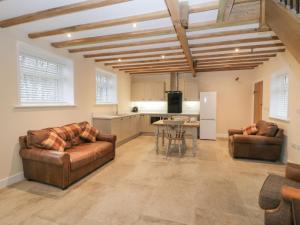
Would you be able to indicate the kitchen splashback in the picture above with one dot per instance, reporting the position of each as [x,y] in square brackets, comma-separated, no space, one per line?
[161,106]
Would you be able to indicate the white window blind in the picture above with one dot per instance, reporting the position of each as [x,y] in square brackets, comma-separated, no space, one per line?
[279,97]
[106,88]
[43,81]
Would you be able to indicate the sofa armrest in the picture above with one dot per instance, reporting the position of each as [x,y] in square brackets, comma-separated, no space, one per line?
[234,131]
[292,171]
[256,139]
[107,137]
[45,156]
[290,193]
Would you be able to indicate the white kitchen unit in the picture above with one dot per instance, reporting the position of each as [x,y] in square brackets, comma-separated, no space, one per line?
[208,114]
[148,91]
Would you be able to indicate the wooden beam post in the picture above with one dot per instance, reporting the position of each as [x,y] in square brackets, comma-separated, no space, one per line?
[174,11]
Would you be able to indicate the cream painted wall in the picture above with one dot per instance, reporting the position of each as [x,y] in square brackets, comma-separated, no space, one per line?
[16,121]
[284,62]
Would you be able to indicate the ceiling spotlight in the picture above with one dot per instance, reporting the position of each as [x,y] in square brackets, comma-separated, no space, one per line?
[119,60]
[163,57]
[134,25]
[69,35]
[237,50]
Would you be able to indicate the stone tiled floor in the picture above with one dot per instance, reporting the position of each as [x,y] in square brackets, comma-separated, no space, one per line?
[142,188]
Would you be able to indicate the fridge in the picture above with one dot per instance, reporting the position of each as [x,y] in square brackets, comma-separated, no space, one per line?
[208,114]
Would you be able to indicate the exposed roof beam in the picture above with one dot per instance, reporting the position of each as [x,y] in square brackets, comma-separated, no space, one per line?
[139,57]
[62,10]
[178,59]
[174,11]
[149,64]
[114,37]
[207,62]
[154,66]
[224,69]
[158,69]
[118,21]
[228,65]
[161,71]
[133,52]
[240,47]
[242,53]
[212,24]
[123,45]
[234,42]
[225,7]
[226,33]
[243,57]
[204,7]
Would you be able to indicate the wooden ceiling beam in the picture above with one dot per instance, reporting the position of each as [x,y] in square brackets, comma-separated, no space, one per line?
[155,66]
[226,33]
[159,69]
[172,48]
[150,64]
[123,45]
[228,65]
[212,24]
[58,11]
[242,53]
[118,21]
[174,11]
[225,7]
[235,42]
[158,72]
[114,37]
[224,69]
[242,57]
[139,57]
[240,47]
[204,62]
[179,59]
[204,7]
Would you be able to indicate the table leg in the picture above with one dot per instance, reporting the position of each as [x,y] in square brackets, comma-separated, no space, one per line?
[157,139]
[163,138]
[194,141]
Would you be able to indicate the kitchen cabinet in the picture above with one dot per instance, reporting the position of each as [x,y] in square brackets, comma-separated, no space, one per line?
[148,91]
[145,124]
[190,90]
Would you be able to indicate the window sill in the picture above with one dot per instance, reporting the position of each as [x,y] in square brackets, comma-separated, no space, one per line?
[279,119]
[43,106]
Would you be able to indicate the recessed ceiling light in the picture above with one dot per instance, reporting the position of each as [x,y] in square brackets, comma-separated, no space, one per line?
[134,25]
[120,60]
[163,57]
[69,35]
[237,50]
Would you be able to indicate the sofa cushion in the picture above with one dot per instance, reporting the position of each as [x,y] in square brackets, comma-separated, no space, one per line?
[90,133]
[86,153]
[36,137]
[54,142]
[68,132]
[250,130]
[266,129]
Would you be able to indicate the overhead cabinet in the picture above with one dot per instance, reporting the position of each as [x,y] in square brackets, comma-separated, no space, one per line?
[148,91]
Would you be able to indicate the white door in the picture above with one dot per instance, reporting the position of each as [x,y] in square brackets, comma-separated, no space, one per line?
[208,105]
[208,129]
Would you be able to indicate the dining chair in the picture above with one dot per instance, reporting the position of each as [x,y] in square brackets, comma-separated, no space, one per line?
[175,135]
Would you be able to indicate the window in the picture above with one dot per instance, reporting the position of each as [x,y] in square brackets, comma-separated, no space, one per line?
[44,80]
[106,88]
[279,97]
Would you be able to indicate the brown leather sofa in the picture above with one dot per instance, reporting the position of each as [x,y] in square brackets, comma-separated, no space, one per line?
[277,194]
[265,145]
[61,169]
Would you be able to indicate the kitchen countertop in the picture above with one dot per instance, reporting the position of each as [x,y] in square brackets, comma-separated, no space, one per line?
[122,115]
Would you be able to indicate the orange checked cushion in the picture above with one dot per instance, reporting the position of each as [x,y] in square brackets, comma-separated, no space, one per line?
[68,132]
[89,133]
[54,142]
[250,130]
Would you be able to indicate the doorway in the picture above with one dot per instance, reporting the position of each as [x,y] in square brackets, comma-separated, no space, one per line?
[258,100]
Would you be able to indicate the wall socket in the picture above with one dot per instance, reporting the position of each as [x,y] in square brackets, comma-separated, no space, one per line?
[295,147]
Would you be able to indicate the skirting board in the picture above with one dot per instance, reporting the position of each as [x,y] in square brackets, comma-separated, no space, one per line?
[11,180]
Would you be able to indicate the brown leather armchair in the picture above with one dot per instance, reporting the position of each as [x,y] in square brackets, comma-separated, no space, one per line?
[277,194]
[61,169]
[265,145]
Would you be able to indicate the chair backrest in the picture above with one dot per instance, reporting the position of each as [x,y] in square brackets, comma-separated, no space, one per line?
[174,128]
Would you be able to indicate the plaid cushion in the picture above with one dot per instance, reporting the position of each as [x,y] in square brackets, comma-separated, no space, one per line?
[54,142]
[68,132]
[90,133]
[250,130]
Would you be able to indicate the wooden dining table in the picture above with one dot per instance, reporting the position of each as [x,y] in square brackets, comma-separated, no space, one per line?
[191,129]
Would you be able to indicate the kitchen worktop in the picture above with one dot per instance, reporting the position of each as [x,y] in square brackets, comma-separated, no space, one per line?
[122,115]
